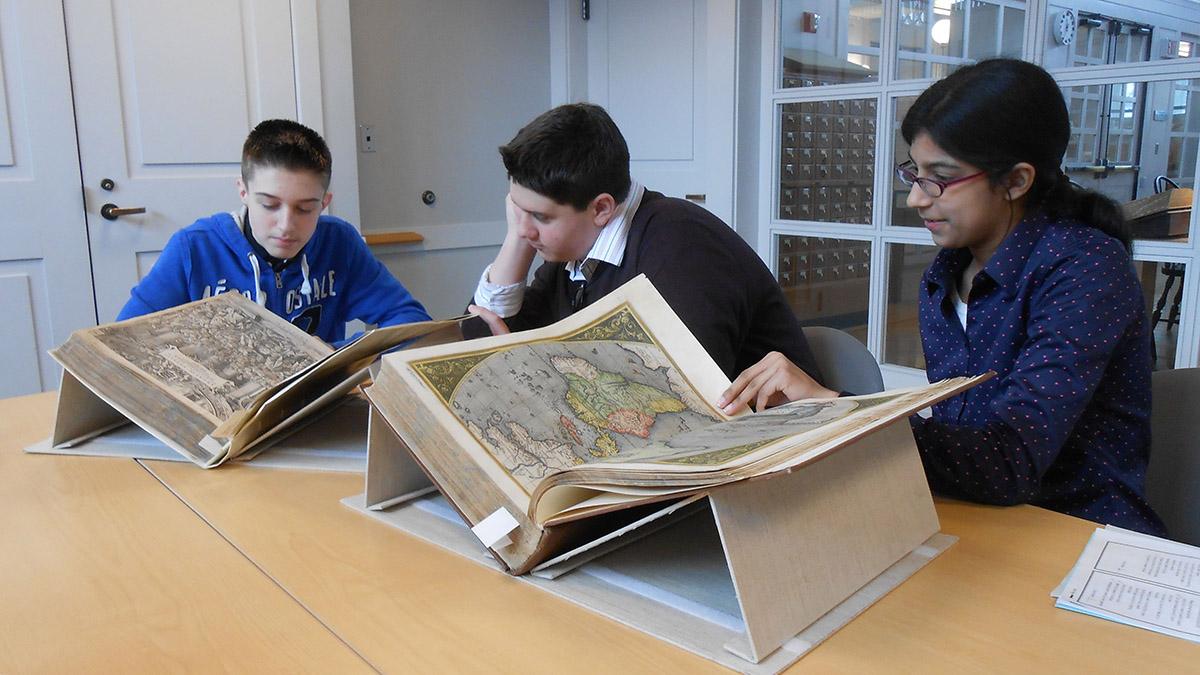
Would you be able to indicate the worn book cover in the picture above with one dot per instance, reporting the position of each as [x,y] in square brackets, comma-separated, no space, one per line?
[1162,215]
[607,411]
[211,378]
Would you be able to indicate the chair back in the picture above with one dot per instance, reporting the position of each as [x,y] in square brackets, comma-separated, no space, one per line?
[1173,477]
[845,363]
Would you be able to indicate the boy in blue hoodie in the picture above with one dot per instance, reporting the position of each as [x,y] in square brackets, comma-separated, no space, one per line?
[313,270]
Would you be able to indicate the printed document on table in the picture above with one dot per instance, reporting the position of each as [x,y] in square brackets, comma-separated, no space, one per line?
[1138,580]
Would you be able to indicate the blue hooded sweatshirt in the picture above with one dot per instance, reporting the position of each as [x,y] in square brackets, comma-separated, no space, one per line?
[333,280]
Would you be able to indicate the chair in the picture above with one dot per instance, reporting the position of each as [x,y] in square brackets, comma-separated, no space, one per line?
[1170,270]
[845,363]
[1173,477]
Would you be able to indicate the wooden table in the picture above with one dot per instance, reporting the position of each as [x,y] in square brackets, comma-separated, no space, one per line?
[104,570]
[246,568]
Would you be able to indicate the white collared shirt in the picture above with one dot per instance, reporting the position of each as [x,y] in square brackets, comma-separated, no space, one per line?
[506,299]
[960,308]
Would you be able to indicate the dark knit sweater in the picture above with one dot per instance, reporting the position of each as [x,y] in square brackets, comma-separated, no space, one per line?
[709,276]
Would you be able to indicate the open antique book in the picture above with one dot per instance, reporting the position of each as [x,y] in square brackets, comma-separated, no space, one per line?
[213,378]
[591,421]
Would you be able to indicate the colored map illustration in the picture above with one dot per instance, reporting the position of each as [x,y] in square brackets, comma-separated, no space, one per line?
[606,392]
[718,443]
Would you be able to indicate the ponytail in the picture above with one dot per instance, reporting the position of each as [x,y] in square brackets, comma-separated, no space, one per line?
[1063,199]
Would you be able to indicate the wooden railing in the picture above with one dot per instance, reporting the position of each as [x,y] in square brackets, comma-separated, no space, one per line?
[384,238]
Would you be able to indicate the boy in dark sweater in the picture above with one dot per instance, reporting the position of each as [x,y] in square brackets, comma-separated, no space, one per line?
[572,201]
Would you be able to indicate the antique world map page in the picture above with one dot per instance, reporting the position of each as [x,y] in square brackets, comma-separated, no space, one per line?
[609,408]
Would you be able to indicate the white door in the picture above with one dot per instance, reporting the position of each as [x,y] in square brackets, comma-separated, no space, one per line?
[45,278]
[165,92]
[665,71]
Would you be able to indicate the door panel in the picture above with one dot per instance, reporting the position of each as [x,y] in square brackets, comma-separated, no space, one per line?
[654,98]
[19,331]
[45,276]
[6,139]
[665,72]
[165,93]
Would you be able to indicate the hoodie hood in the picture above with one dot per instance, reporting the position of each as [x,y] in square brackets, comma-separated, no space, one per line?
[240,238]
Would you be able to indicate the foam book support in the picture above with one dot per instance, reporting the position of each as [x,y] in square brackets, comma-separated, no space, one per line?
[805,551]
[826,510]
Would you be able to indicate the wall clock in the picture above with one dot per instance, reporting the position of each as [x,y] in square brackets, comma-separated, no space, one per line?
[1064,27]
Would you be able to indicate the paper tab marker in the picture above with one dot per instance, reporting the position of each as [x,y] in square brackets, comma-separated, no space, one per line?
[493,530]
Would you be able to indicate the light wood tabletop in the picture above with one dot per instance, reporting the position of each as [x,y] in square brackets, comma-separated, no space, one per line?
[104,570]
[406,605]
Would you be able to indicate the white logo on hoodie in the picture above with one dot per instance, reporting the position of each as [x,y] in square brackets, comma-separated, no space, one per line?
[320,289]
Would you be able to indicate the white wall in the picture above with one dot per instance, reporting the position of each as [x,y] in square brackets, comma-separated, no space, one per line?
[747,124]
[444,83]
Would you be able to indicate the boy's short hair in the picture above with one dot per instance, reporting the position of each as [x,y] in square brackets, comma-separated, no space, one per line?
[286,144]
[570,154]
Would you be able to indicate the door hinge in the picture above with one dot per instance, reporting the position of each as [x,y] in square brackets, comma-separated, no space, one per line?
[585,10]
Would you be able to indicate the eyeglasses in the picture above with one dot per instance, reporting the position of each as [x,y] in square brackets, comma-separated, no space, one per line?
[906,172]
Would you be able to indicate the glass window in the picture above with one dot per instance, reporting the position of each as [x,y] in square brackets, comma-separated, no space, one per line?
[827,160]
[1186,47]
[901,334]
[1184,132]
[1162,287]
[824,43]
[1105,33]
[1125,135]
[901,215]
[826,281]
[935,36]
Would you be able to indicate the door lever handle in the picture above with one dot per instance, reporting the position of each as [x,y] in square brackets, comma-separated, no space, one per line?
[112,211]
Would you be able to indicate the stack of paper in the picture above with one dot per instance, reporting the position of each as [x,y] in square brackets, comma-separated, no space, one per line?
[1137,580]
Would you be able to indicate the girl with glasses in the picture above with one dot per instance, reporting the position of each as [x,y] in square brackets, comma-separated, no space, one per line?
[1033,281]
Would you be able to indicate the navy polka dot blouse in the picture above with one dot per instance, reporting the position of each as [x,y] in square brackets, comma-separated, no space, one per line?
[1058,313]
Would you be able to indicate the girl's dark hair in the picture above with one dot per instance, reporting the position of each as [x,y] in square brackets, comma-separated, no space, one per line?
[570,154]
[999,112]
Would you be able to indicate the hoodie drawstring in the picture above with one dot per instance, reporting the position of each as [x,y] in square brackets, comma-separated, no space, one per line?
[258,291]
[306,287]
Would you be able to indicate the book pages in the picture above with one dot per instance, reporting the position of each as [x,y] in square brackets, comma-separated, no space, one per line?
[215,377]
[181,372]
[605,410]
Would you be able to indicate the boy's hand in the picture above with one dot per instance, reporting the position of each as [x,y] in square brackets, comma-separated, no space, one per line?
[512,214]
[516,254]
[770,382]
[516,218]
[492,319]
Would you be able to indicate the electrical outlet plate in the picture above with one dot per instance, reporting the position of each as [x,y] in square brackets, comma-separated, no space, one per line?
[366,138]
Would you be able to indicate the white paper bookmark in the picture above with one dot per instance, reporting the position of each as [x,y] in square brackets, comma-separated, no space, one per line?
[211,445]
[493,530]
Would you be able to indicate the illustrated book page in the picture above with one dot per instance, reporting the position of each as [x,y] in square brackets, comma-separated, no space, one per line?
[609,408]
[216,377]
[182,372]
[774,440]
[324,382]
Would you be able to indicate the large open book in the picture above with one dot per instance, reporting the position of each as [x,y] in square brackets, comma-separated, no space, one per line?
[214,378]
[596,419]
